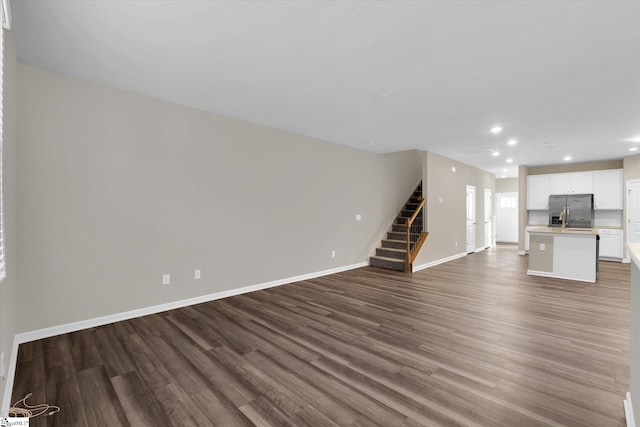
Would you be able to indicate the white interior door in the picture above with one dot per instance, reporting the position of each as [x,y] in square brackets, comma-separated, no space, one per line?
[507,217]
[633,212]
[471,219]
[487,218]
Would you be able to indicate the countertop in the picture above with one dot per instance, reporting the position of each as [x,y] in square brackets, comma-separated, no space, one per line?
[634,251]
[559,230]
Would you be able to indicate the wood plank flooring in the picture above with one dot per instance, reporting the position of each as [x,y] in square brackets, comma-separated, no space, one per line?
[473,342]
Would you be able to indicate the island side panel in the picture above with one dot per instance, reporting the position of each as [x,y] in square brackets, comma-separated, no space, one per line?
[541,253]
[575,257]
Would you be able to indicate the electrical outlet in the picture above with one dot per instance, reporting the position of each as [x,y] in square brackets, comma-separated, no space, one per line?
[197,274]
[456,243]
[166,279]
[358,217]
[542,247]
[333,254]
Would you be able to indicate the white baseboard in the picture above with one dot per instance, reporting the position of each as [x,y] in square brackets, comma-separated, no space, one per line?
[480,249]
[542,273]
[11,372]
[440,261]
[628,411]
[105,320]
[522,252]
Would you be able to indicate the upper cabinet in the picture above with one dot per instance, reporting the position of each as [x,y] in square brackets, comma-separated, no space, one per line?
[607,189]
[538,192]
[571,183]
[605,185]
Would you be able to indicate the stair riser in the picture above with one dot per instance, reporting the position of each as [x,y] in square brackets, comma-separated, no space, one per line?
[387,264]
[390,253]
[395,235]
[394,244]
[402,228]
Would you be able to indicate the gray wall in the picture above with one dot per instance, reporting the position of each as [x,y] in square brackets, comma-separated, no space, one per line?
[507,185]
[631,167]
[446,221]
[116,189]
[8,299]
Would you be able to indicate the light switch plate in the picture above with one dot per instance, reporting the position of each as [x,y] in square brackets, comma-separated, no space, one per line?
[542,246]
[358,217]
[166,279]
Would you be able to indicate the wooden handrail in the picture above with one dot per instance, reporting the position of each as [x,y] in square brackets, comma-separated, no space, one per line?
[413,217]
[411,255]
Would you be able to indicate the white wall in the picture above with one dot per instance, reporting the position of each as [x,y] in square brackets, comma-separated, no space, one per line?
[116,189]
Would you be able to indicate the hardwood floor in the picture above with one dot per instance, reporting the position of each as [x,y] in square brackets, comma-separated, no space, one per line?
[473,342]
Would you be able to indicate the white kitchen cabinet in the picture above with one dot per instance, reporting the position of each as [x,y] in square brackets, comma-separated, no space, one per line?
[610,243]
[571,183]
[538,192]
[607,189]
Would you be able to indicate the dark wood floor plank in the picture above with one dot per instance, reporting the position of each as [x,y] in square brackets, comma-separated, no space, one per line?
[61,384]
[100,401]
[472,342]
[137,401]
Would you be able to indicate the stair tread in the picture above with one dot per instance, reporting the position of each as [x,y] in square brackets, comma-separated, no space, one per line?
[384,258]
[394,249]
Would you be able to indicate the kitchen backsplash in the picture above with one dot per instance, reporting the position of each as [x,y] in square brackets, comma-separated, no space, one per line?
[601,218]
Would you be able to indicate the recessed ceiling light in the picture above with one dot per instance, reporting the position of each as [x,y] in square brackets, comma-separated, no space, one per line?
[505,170]
[504,176]
[509,160]
[495,153]
[634,139]
[380,96]
[512,142]
[370,143]
[567,158]
[496,129]
[633,149]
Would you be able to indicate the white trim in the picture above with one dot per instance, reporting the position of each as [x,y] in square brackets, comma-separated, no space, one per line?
[440,261]
[522,252]
[479,249]
[553,276]
[105,320]
[541,273]
[625,222]
[6,14]
[628,411]
[11,372]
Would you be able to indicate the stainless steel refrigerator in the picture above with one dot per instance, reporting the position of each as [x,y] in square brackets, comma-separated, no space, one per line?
[577,208]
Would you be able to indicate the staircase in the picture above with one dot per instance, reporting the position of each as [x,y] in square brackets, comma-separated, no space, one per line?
[406,237]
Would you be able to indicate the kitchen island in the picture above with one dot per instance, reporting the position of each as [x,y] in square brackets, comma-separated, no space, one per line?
[564,253]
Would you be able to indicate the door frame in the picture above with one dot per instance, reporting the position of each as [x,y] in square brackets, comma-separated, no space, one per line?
[488,219]
[475,220]
[625,221]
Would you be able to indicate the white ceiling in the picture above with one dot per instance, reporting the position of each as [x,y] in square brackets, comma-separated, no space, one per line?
[562,77]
